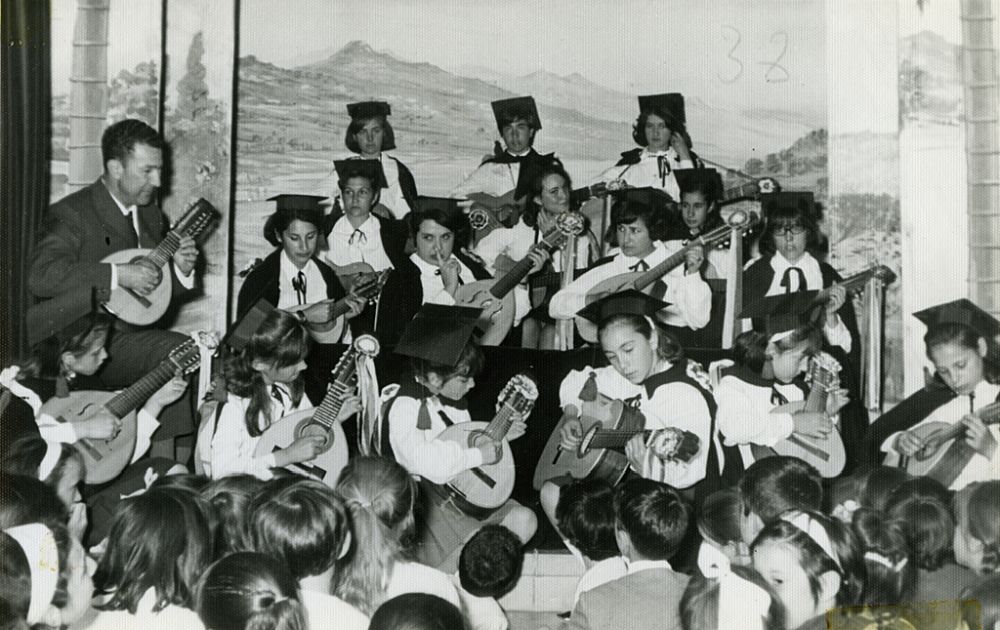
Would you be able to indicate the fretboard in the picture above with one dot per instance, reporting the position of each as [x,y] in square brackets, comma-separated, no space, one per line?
[326,413]
[522,268]
[615,439]
[498,427]
[132,397]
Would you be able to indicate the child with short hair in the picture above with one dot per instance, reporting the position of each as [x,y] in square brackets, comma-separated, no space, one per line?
[304,523]
[651,519]
[585,515]
[774,485]
[417,611]
[229,497]
[923,506]
[488,568]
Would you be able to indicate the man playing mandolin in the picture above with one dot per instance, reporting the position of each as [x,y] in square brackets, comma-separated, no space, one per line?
[117,212]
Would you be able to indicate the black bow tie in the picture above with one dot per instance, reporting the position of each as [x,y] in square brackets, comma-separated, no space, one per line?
[786,279]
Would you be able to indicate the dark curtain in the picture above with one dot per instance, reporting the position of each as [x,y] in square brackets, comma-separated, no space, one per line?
[26,136]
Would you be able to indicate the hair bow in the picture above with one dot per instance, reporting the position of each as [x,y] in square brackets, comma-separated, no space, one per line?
[39,546]
[742,604]
[885,561]
[816,531]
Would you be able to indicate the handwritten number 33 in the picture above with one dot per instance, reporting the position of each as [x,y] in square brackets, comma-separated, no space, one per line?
[775,73]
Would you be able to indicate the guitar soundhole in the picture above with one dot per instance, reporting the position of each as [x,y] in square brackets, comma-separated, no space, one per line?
[311,428]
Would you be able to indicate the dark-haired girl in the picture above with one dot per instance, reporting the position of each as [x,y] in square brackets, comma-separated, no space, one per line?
[292,275]
[264,384]
[500,249]
[249,591]
[766,375]
[813,564]
[960,345]
[638,229]
[159,544]
[664,146]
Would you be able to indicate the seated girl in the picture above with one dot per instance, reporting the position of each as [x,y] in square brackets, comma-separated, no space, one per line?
[637,227]
[765,377]
[264,383]
[445,363]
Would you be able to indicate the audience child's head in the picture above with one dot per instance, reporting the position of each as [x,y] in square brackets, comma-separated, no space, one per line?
[987,594]
[725,596]
[977,533]
[160,540]
[26,500]
[274,353]
[417,611]
[60,466]
[891,577]
[229,497]
[719,519]
[249,591]
[490,562]
[923,506]
[43,576]
[650,519]
[184,481]
[773,485]
[585,515]
[811,561]
[380,497]
[301,522]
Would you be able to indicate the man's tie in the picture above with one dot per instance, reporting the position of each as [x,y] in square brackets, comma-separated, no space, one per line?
[358,237]
[786,280]
[299,284]
[130,217]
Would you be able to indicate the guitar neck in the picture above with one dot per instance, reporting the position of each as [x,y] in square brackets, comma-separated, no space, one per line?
[165,250]
[859,280]
[522,268]
[326,413]
[615,439]
[130,398]
[677,258]
[194,223]
[502,422]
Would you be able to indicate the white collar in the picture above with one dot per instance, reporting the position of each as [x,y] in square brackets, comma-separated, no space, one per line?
[124,210]
[807,263]
[521,154]
[631,261]
[343,226]
[669,152]
[634,566]
[288,268]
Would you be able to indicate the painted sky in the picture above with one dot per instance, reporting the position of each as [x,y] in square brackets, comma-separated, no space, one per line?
[731,53]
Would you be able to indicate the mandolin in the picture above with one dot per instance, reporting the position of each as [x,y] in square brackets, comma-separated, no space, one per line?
[106,459]
[826,454]
[331,330]
[945,453]
[322,420]
[751,190]
[481,490]
[142,310]
[494,296]
[642,280]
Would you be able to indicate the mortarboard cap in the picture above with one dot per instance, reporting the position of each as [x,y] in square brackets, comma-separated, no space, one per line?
[446,204]
[239,335]
[628,302]
[962,312]
[66,315]
[296,202]
[784,312]
[368,109]
[509,109]
[693,179]
[369,169]
[439,333]
[671,103]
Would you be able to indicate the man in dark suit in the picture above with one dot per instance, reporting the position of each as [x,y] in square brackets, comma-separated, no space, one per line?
[650,522]
[117,212]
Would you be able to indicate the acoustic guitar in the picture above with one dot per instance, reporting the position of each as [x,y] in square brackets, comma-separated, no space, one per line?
[331,330]
[492,211]
[608,425]
[826,454]
[106,459]
[322,420]
[750,191]
[945,453]
[494,296]
[642,280]
[353,273]
[142,310]
[481,490]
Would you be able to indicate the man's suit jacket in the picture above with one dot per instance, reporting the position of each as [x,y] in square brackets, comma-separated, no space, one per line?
[79,231]
[645,600]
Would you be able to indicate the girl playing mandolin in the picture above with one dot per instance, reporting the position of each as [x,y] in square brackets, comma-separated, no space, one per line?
[445,362]
[961,344]
[264,382]
[766,375]
[638,227]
